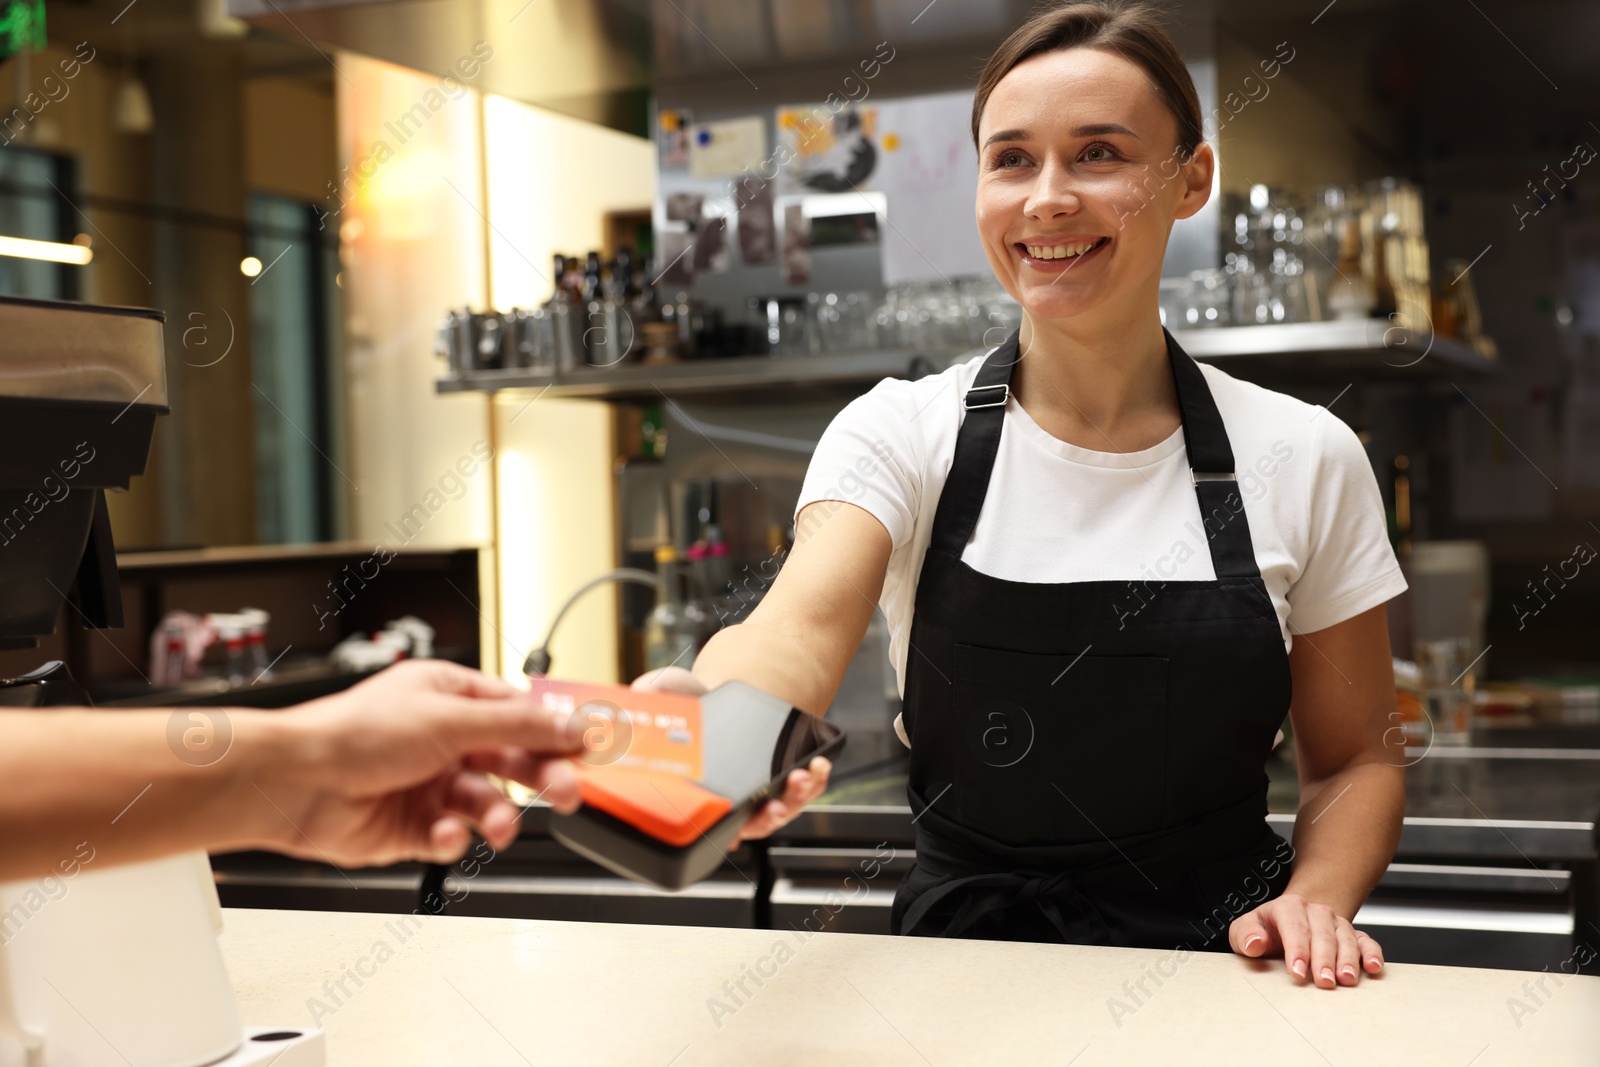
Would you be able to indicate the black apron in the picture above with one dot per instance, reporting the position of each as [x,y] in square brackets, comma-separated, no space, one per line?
[1087,758]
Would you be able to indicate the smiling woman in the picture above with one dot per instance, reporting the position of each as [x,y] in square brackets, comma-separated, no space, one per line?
[1130,137]
[1085,769]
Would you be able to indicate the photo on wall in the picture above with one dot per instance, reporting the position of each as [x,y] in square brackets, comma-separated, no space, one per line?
[827,151]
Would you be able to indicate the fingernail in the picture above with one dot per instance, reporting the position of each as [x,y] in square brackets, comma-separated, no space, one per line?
[1349,971]
[1374,961]
[1327,974]
[1250,941]
[1299,968]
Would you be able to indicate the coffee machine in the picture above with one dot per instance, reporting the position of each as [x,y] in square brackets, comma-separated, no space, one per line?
[121,963]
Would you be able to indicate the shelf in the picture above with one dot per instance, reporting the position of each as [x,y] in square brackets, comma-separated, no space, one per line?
[706,376]
[1288,349]
[1369,345]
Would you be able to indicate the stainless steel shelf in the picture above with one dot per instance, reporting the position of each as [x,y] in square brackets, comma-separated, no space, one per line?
[1365,344]
[740,373]
[1371,346]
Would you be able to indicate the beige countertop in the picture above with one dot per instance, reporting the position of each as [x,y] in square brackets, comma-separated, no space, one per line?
[469,991]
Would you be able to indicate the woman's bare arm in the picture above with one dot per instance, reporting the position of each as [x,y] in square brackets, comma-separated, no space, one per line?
[1352,802]
[1352,790]
[799,640]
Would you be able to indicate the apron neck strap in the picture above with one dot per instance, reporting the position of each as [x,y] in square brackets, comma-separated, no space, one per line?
[1204,437]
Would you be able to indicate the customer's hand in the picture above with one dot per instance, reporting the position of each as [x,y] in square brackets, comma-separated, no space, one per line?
[394,768]
[805,784]
[1312,938]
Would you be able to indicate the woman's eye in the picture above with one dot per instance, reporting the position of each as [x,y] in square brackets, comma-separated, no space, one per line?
[1109,153]
[1009,159]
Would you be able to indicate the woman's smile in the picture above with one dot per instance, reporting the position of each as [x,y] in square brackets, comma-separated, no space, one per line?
[1058,255]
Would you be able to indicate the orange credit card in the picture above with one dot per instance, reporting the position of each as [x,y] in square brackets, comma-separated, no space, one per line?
[629,729]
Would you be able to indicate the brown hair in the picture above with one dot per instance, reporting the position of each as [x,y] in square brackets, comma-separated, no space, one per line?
[1131,29]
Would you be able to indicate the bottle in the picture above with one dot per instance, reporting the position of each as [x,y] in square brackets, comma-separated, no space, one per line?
[698,609]
[622,275]
[611,325]
[596,338]
[255,623]
[1448,703]
[718,576]
[566,318]
[670,634]
[174,663]
[1384,300]
[1400,528]
[235,663]
[1349,293]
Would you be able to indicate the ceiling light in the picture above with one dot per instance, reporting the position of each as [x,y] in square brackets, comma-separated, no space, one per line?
[50,251]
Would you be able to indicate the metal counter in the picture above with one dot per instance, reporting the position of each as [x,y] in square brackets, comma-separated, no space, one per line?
[1496,866]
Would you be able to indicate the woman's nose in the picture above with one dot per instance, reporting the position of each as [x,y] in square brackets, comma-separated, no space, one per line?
[1053,193]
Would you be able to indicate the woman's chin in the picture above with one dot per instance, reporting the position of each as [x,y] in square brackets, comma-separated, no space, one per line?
[1056,304]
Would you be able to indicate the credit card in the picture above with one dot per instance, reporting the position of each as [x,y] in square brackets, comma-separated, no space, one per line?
[631,729]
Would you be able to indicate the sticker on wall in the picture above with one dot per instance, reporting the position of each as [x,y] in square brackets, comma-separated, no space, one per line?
[711,245]
[724,149]
[677,253]
[685,207]
[796,245]
[672,136]
[827,150]
[758,231]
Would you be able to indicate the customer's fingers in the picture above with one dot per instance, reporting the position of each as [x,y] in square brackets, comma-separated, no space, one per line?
[448,838]
[475,797]
[551,778]
[506,761]
[446,677]
[475,725]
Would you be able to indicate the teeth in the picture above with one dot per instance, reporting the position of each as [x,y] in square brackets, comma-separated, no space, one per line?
[1059,251]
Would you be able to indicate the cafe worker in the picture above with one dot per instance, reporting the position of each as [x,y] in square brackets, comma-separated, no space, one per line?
[1110,572]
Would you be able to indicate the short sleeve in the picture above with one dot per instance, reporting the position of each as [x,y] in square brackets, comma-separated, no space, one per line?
[868,457]
[1350,565]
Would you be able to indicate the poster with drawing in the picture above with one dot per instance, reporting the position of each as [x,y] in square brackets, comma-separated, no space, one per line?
[826,151]
[928,172]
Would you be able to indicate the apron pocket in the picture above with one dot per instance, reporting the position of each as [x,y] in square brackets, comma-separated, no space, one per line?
[1055,749]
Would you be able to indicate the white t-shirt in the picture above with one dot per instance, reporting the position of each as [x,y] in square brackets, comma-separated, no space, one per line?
[1058,513]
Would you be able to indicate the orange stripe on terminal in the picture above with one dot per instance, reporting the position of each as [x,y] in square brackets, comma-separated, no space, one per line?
[668,807]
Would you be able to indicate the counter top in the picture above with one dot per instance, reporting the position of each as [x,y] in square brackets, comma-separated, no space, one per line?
[454,990]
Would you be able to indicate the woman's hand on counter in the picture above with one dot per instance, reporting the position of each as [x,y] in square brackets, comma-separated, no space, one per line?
[1313,939]
[395,768]
[804,785]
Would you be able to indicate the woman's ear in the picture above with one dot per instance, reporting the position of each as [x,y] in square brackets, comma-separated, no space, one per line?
[1196,178]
